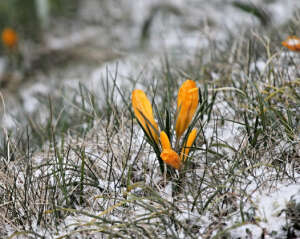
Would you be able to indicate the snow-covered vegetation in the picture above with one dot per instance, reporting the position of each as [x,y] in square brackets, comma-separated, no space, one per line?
[75,162]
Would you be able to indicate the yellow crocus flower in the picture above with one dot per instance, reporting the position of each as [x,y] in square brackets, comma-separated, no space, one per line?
[144,114]
[164,140]
[187,102]
[186,149]
[168,155]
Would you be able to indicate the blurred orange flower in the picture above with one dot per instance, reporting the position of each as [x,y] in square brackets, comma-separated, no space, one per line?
[9,37]
[292,43]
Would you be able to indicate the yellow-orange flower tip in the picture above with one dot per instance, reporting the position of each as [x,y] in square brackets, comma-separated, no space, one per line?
[164,140]
[190,141]
[292,43]
[9,37]
[144,114]
[170,157]
[187,103]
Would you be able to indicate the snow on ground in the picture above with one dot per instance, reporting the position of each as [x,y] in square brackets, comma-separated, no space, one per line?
[172,34]
[271,206]
[270,212]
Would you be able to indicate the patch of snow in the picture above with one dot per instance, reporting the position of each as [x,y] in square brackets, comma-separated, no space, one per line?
[259,65]
[166,192]
[282,11]
[270,206]
[247,231]
[28,95]
[8,121]
[74,39]
[270,215]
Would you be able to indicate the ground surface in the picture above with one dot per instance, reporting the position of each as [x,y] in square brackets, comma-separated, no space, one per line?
[75,163]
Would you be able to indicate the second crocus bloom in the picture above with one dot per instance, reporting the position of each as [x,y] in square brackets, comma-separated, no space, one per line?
[187,103]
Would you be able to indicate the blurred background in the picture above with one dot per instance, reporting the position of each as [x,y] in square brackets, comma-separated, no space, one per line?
[49,43]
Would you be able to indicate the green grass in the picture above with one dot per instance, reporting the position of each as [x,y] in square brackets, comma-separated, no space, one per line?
[84,168]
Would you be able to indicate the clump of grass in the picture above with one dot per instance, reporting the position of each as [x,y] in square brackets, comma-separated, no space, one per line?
[186,116]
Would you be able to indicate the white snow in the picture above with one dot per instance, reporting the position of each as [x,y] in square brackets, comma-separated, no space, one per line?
[269,211]
[271,205]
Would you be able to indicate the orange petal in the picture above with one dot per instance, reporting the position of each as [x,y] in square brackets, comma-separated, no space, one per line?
[9,37]
[164,140]
[292,43]
[170,157]
[187,102]
[186,149]
[144,114]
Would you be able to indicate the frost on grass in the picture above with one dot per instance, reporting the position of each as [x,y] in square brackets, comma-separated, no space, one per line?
[102,179]
[108,183]
[84,168]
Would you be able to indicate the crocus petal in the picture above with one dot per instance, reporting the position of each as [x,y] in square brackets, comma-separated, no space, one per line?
[186,149]
[164,140]
[144,114]
[9,37]
[292,43]
[187,102]
[170,157]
